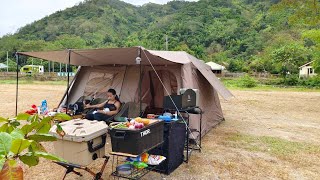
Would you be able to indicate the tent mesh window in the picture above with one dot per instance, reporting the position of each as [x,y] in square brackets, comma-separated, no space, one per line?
[98,83]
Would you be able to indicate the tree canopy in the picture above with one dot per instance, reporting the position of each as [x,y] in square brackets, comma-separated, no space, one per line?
[245,35]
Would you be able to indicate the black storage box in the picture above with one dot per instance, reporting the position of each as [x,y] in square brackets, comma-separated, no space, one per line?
[172,148]
[139,141]
[186,100]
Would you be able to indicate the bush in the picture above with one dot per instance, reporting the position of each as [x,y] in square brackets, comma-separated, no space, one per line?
[291,80]
[247,82]
[312,82]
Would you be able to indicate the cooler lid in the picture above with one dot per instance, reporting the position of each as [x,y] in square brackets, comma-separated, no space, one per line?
[80,130]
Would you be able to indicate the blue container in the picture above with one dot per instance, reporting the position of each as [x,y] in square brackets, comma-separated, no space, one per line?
[165,118]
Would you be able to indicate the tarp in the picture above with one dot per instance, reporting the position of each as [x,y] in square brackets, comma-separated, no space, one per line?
[94,57]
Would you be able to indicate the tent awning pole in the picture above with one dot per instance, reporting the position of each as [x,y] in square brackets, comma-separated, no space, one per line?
[140,81]
[69,57]
[17,82]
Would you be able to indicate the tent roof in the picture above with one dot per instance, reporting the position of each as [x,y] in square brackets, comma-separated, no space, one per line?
[93,57]
[127,56]
[215,66]
[3,66]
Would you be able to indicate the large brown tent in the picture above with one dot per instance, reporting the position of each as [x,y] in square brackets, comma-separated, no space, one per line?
[101,69]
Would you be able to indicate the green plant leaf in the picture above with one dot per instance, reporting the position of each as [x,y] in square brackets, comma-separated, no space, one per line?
[11,171]
[29,159]
[10,129]
[33,118]
[48,156]
[44,128]
[4,127]
[5,143]
[44,125]
[36,146]
[29,127]
[15,123]
[62,116]
[23,116]
[3,119]
[60,131]
[2,161]
[18,145]
[42,137]
[17,134]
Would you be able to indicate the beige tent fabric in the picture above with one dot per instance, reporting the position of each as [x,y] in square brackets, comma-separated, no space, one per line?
[186,59]
[94,57]
[126,56]
[173,56]
[115,68]
[211,77]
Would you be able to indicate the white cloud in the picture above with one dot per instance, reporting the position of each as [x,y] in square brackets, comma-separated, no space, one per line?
[17,13]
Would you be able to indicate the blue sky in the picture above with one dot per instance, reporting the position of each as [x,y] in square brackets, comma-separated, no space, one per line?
[17,13]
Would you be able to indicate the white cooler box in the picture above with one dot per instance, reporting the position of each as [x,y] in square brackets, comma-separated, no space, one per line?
[84,141]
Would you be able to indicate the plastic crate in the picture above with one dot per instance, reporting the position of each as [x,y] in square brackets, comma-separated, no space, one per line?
[139,141]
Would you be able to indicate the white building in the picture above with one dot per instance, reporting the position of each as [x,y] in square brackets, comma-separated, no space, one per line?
[216,68]
[306,70]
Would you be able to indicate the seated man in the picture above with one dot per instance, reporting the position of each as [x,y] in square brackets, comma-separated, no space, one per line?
[106,109]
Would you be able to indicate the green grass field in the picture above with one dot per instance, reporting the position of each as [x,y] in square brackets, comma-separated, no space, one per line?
[233,84]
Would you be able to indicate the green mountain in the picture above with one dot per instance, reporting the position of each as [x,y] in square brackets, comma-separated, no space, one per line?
[245,35]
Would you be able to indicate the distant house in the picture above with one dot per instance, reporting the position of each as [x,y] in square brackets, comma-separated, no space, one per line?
[306,70]
[216,68]
[3,66]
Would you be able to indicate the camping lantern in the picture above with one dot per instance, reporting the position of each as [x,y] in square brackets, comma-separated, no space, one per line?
[138,60]
[84,141]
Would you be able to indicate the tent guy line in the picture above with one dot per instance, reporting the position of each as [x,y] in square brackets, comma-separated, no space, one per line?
[177,109]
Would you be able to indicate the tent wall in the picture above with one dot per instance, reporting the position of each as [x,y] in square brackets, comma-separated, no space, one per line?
[153,91]
[126,82]
[209,103]
[209,100]
[94,81]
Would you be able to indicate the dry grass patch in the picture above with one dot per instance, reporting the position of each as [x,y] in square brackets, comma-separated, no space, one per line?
[274,145]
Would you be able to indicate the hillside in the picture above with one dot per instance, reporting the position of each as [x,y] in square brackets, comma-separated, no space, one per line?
[245,35]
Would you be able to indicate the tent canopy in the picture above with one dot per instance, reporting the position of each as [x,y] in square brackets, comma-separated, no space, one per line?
[127,56]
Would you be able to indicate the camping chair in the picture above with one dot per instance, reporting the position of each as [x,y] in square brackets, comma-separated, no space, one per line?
[93,102]
[131,110]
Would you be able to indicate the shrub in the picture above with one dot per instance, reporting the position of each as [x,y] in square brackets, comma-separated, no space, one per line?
[247,82]
[291,80]
[22,143]
[312,82]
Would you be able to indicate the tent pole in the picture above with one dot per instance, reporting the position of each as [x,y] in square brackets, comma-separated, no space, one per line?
[140,81]
[17,83]
[69,57]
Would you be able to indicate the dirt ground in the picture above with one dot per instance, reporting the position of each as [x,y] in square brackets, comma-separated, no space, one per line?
[266,135]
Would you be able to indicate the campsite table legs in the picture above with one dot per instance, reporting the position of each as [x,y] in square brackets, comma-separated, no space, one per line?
[71,168]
